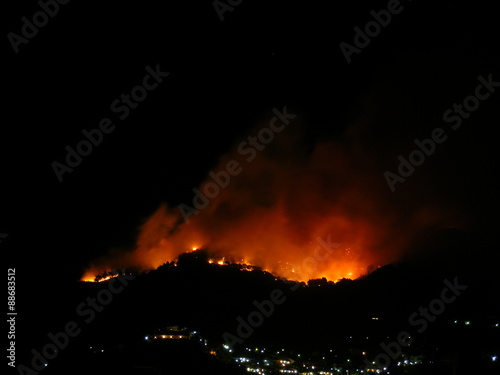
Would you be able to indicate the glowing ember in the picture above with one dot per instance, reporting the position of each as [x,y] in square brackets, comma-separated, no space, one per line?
[94,277]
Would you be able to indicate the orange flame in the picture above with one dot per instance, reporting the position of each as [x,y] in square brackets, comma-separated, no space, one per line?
[279,210]
[90,276]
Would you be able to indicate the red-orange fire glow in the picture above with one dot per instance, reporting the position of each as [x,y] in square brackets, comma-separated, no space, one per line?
[282,208]
[90,276]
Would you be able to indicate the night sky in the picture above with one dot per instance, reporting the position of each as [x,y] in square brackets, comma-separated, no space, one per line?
[208,76]
[224,78]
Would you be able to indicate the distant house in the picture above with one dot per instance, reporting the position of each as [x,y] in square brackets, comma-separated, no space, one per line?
[173,333]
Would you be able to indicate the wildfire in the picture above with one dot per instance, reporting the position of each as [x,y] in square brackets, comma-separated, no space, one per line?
[283,212]
[287,271]
[94,277]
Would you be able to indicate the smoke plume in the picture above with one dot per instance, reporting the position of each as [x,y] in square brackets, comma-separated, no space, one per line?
[292,195]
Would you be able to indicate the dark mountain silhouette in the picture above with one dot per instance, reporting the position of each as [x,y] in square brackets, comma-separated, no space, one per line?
[314,317]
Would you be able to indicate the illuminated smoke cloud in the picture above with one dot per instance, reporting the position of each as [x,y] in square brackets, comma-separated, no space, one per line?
[271,214]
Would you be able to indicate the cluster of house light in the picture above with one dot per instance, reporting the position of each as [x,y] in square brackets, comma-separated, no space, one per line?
[264,366]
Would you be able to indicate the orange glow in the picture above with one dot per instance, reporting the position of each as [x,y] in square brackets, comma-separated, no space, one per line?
[89,277]
[282,209]
[106,278]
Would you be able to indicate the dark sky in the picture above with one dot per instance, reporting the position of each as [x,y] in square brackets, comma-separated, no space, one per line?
[225,77]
